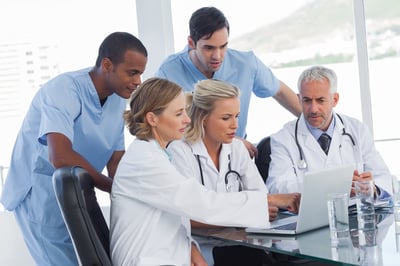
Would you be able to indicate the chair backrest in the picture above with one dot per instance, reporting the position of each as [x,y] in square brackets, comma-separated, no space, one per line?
[85,222]
[264,157]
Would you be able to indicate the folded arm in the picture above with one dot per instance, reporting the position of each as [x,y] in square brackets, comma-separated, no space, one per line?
[62,154]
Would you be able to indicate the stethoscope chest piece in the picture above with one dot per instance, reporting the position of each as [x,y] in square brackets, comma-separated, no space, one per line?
[302,164]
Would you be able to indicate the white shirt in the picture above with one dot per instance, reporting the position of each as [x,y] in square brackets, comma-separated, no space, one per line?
[152,203]
[285,176]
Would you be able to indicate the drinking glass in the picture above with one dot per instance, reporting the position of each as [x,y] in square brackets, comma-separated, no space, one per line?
[338,216]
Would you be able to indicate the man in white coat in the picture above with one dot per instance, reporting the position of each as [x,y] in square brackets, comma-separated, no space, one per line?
[296,148]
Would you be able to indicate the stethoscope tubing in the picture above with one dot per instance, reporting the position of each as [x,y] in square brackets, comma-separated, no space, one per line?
[230,171]
[302,164]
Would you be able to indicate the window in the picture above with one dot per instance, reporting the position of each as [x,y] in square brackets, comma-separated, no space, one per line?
[70,30]
[292,35]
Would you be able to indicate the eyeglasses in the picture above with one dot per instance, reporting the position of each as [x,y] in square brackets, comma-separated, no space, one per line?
[233,180]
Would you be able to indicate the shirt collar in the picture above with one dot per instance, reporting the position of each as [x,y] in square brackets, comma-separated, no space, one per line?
[316,132]
[198,148]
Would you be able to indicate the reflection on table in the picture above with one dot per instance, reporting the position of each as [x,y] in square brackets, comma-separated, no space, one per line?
[375,247]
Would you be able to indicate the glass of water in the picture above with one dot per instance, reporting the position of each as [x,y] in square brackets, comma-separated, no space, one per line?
[338,217]
[364,191]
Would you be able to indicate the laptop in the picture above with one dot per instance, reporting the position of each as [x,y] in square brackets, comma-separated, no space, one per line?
[313,210]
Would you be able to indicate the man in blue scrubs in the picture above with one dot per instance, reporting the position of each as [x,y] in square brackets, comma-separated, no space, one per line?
[74,119]
[208,56]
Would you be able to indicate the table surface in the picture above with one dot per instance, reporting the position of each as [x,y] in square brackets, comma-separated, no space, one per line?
[377,247]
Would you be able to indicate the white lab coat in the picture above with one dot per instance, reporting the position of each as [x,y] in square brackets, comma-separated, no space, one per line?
[284,173]
[151,204]
[183,156]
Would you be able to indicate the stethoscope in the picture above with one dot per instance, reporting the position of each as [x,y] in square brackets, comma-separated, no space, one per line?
[230,175]
[302,164]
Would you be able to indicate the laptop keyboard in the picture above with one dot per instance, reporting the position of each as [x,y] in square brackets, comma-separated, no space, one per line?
[291,226]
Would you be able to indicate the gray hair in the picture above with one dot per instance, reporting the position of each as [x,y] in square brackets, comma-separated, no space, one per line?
[202,103]
[319,73]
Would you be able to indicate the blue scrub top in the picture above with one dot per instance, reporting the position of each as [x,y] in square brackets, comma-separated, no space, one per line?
[242,69]
[68,104]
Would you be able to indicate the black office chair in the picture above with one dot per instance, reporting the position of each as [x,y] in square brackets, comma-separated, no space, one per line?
[85,222]
[263,158]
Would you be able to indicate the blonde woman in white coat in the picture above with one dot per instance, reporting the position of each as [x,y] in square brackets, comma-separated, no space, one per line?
[213,156]
[152,203]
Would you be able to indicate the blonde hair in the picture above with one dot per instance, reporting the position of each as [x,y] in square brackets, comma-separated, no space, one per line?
[202,103]
[153,95]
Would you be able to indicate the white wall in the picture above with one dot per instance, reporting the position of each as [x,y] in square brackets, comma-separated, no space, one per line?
[12,247]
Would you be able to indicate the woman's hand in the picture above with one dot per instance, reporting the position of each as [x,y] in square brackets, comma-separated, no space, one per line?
[290,202]
[196,258]
[250,147]
[273,212]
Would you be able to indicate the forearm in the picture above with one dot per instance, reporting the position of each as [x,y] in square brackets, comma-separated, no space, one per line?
[73,158]
[273,200]
[113,163]
[62,154]
[196,258]
[196,224]
[288,99]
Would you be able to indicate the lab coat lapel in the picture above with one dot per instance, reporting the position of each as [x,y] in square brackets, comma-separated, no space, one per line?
[198,148]
[311,148]
[341,147]
[333,157]
[223,158]
[208,165]
[309,142]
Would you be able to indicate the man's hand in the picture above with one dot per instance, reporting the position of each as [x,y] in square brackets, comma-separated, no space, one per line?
[196,258]
[361,177]
[250,147]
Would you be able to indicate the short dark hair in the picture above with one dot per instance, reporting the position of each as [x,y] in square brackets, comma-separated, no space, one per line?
[116,44]
[205,21]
